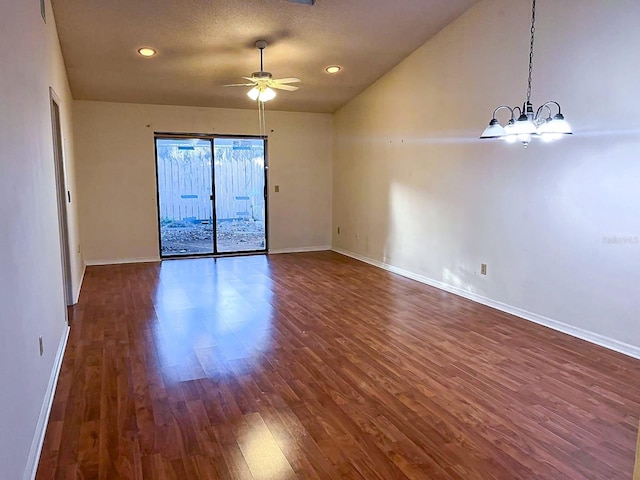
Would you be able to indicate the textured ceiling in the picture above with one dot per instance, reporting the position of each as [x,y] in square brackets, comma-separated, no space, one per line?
[205,44]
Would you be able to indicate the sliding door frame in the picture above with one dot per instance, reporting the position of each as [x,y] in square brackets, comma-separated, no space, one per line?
[211,137]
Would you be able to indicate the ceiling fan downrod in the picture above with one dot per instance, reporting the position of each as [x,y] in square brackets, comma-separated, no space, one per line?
[261,44]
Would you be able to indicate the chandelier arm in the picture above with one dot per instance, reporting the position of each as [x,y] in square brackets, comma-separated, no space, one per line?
[554,103]
[500,108]
[539,111]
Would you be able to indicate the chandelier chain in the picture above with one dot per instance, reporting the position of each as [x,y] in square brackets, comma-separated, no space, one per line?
[533,31]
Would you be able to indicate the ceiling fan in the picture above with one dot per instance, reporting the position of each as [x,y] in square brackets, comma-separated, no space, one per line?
[263,82]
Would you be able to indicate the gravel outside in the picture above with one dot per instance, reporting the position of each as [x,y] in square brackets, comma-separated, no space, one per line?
[179,238]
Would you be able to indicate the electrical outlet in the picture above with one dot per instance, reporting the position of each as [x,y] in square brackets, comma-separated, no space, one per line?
[483,268]
[276,188]
[41,344]
[78,249]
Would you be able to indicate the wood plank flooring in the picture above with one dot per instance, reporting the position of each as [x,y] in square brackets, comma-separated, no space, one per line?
[316,366]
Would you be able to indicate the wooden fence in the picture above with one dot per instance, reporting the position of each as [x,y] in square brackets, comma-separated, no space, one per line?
[185,181]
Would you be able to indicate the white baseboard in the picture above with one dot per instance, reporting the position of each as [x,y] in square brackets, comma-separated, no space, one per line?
[320,248]
[41,427]
[601,340]
[76,297]
[119,261]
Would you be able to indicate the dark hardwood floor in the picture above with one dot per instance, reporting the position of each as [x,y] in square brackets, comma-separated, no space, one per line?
[316,366]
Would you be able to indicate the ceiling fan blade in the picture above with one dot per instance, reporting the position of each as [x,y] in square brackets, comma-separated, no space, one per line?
[289,88]
[287,80]
[239,85]
[251,79]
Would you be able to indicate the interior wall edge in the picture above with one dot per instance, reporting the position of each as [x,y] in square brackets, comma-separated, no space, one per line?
[589,336]
[636,470]
[31,467]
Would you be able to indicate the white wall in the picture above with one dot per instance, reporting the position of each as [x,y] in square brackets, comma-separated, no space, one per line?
[117,180]
[415,189]
[31,293]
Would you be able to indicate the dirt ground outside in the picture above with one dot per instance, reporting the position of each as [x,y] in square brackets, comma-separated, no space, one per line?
[181,238]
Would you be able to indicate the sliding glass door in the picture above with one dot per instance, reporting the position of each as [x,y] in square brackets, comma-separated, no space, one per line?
[211,195]
[184,196]
[240,194]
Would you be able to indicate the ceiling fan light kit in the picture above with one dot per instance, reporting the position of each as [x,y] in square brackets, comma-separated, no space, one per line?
[263,94]
[263,84]
[263,87]
[526,124]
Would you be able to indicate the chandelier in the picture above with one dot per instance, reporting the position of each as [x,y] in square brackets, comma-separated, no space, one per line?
[525,123]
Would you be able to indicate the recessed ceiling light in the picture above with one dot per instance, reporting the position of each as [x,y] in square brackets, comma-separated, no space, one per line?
[147,52]
[333,69]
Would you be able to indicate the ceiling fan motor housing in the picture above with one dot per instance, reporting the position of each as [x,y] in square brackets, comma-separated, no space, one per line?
[261,75]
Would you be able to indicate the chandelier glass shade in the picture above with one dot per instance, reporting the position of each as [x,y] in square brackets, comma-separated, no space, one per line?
[525,124]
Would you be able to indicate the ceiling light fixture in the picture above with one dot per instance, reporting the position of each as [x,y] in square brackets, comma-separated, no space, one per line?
[529,124]
[333,69]
[147,52]
[263,84]
[263,87]
[262,93]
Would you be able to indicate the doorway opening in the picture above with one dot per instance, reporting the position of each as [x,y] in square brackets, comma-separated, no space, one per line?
[211,194]
[63,196]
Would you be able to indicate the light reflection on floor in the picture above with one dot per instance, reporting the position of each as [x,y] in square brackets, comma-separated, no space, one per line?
[219,325]
[261,451]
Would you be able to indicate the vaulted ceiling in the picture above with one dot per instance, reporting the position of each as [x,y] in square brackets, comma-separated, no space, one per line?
[203,45]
